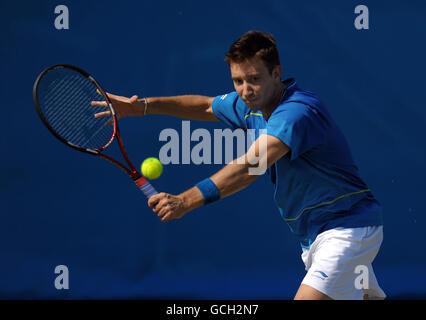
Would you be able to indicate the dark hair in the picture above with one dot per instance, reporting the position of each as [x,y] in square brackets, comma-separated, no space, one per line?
[254,43]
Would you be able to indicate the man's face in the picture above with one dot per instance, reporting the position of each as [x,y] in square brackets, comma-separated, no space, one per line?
[253,82]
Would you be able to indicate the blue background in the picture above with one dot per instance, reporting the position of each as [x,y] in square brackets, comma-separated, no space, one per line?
[62,207]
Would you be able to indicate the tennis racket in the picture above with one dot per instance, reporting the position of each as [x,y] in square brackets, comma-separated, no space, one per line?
[62,96]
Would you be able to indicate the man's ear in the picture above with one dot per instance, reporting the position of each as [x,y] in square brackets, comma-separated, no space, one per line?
[276,72]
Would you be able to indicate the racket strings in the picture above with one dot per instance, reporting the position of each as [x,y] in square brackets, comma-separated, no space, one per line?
[84,136]
[65,122]
[65,97]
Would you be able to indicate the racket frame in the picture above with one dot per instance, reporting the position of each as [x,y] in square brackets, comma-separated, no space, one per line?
[133,173]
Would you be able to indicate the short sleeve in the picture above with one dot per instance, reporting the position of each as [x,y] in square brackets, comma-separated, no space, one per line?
[297,125]
[230,110]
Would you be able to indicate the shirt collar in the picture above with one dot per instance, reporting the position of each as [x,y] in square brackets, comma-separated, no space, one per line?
[291,85]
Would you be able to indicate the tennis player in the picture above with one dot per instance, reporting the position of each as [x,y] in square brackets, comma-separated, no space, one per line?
[318,189]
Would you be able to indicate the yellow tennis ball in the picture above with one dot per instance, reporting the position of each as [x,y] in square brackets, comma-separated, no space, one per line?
[151,168]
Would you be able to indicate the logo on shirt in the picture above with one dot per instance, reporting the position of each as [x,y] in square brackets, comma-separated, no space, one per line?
[319,274]
[223,97]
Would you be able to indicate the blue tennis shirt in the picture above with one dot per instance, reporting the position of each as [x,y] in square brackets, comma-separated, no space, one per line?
[317,184]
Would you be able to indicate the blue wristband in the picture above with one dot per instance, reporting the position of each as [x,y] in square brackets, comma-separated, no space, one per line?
[209,190]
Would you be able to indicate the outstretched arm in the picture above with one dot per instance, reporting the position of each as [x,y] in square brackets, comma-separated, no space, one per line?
[233,177]
[192,107]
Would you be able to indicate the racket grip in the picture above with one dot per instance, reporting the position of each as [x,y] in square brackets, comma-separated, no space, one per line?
[147,189]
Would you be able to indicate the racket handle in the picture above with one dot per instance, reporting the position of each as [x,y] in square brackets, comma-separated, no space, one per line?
[147,189]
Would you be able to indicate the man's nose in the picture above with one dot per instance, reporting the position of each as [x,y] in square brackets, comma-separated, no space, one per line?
[247,90]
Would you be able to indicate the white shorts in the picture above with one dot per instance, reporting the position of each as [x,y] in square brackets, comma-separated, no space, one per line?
[338,263]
